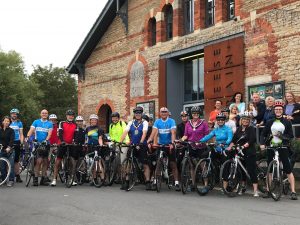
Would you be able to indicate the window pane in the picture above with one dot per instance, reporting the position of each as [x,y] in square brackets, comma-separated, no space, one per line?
[231,9]
[189,15]
[201,78]
[190,80]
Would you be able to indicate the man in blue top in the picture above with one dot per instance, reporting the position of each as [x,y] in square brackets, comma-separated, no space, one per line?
[137,131]
[17,126]
[165,130]
[42,128]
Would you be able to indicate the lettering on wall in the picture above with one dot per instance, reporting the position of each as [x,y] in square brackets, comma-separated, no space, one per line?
[137,73]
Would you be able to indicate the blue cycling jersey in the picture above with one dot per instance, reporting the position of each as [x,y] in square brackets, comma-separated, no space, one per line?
[41,129]
[223,135]
[16,126]
[164,128]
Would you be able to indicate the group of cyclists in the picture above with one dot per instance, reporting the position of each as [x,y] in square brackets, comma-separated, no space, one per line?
[144,133]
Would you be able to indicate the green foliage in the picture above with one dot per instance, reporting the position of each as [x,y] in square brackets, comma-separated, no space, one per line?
[47,87]
[58,88]
[296,148]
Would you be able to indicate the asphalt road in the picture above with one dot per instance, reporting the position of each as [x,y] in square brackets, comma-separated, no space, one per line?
[111,206]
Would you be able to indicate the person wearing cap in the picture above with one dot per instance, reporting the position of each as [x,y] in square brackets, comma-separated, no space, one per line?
[164,129]
[95,137]
[137,131]
[246,138]
[116,129]
[276,133]
[42,129]
[229,122]
[66,131]
[213,114]
[17,126]
[180,127]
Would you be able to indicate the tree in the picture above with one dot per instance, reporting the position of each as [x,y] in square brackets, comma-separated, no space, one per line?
[59,90]
[16,90]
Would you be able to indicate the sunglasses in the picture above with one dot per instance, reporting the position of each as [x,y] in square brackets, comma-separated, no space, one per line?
[220,119]
[183,115]
[163,111]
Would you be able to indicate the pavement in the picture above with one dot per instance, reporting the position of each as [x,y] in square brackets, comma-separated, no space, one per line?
[110,206]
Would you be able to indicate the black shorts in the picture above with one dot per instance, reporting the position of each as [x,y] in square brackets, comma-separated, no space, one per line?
[17,148]
[43,151]
[171,154]
[141,154]
[102,151]
[73,151]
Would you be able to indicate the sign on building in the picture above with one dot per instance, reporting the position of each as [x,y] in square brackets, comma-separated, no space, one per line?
[137,79]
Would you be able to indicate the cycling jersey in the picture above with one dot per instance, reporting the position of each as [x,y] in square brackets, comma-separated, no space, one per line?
[54,137]
[164,128]
[93,134]
[116,131]
[80,136]
[16,126]
[223,135]
[135,130]
[42,127]
[195,133]
[66,131]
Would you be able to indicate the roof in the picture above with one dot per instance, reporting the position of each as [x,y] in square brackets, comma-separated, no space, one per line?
[99,28]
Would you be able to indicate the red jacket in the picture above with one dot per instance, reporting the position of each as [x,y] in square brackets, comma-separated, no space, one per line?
[54,136]
[66,131]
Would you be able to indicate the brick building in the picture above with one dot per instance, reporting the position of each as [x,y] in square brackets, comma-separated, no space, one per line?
[178,53]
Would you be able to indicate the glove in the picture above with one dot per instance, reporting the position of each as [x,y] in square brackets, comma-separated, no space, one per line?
[8,149]
[45,142]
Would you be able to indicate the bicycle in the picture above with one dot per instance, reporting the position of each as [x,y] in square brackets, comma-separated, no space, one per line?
[4,167]
[207,171]
[275,183]
[161,172]
[132,171]
[31,161]
[188,163]
[25,155]
[67,167]
[113,163]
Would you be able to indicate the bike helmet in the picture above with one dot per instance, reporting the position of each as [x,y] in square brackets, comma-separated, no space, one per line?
[184,113]
[278,104]
[79,118]
[221,116]
[70,112]
[246,115]
[52,117]
[115,114]
[138,109]
[15,110]
[94,116]
[196,109]
[145,117]
[225,109]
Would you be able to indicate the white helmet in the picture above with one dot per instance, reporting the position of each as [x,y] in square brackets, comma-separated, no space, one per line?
[94,116]
[53,116]
[79,118]
[246,115]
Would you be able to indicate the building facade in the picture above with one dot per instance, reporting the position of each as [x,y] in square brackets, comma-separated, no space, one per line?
[179,53]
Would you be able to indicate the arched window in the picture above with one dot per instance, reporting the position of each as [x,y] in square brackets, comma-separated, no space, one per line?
[152,31]
[231,9]
[169,21]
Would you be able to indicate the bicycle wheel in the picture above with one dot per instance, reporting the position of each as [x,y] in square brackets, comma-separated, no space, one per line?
[96,171]
[111,170]
[158,175]
[68,175]
[81,172]
[30,171]
[204,173]
[232,175]
[286,185]
[274,180]
[262,167]
[186,179]
[4,164]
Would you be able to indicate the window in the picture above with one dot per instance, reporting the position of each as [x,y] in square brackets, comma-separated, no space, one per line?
[189,16]
[152,32]
[231,8]
[194,79]
[210,13]
[169,22]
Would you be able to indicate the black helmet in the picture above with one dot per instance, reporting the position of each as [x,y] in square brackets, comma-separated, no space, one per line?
[138,109]
[145,117]
[115,114]
[225,109]
[196,109]
[221,116]
[70,112]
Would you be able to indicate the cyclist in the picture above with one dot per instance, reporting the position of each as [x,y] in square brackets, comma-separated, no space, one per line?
[80,136]
[95,137]
[228,122]
[137,130]
[7,137]
[246,138]
[54,135]
[165,130]
[195,130]
[278,132]
[223,135]
[42,128]
[181,127]
[116,129]
[66,131]
[17,126]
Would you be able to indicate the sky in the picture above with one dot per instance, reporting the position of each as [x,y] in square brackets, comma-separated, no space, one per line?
[46,31]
